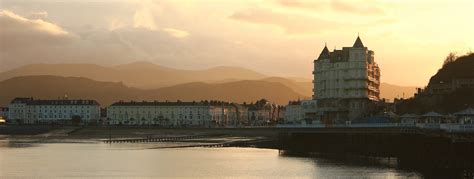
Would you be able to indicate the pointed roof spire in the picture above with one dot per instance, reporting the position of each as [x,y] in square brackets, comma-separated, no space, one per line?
[358,43]
[325,52]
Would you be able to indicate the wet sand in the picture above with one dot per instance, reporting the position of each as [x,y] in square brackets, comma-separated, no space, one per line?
[207,137]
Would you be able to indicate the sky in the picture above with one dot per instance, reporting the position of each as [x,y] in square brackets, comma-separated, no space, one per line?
[274,37]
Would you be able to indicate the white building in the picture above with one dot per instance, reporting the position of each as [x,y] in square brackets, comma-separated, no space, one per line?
[4,112]
[310,111]
[294,113]
[178,113]
[33,111]
[304,111]
[263,113]
[345,82]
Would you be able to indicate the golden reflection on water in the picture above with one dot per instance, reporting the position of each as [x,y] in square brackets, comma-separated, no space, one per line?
[98,160]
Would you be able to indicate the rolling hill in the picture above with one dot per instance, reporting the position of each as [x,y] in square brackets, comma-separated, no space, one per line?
[143,75]
[52,87]
[389,91]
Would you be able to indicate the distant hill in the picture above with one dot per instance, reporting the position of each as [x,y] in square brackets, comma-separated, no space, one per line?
[304,88]
[238,91]
[52,87]
[146,75]
[139,74]
[389,91]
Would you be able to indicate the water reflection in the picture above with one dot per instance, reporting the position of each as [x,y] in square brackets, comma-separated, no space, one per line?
[356,166]
[15,144]
[98,160]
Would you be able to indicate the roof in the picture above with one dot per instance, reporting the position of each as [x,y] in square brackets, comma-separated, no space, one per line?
[31,101]
[62,102]
[391,114]
[358,43]
[294,102]
[324,53]
[21,100]
[466,112]
[252,107]
[408,115]
[169,103]
[432,114]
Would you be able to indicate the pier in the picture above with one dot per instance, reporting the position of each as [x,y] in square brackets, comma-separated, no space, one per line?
[160,139]
[430,150]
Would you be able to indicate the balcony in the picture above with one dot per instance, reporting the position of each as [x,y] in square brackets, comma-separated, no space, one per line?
[373,88]
[372,79]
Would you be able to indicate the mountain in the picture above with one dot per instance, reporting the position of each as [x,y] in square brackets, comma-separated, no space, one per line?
[389,91]
[144,75]
[238,91]
[304,88]
[52,87]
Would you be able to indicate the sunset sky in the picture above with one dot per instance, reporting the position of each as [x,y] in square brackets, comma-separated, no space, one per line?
[274,37]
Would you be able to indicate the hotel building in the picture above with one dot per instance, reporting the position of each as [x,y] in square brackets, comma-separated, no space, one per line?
[346,82]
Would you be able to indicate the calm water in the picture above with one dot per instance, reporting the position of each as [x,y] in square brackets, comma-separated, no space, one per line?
[97,160]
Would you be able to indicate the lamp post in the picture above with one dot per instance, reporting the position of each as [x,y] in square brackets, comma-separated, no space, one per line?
[110,131]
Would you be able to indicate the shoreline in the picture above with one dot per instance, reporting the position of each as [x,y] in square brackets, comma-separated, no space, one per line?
[173,137]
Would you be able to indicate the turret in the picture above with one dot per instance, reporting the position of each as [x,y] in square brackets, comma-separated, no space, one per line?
[324,53]
[358,43]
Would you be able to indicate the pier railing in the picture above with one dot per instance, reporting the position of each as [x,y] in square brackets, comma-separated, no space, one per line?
[451,128]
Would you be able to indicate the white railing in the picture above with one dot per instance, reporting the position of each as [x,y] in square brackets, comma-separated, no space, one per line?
[353,125]
[458,127]
[429,126]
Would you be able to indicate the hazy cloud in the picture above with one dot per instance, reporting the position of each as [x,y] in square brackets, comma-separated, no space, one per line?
[144,17]
[357,7]
[291,23]
[115,23]
[11,21]
[176,32]
[120,45]
[38,15]
[25,41]
[368,8]
[303,4]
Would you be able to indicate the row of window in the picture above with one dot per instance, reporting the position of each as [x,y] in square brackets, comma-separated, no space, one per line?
[150,116]
[56,116]
[58,111]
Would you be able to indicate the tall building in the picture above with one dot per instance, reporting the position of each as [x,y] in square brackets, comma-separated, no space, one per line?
[346,82]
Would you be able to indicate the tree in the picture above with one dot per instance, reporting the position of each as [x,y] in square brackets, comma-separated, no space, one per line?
[450,58]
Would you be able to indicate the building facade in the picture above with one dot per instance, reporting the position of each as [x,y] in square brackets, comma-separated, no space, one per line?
[4,112]
[263,113]
[36,111]
[294,113]
[302,112]
[203,113]
[346,82]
